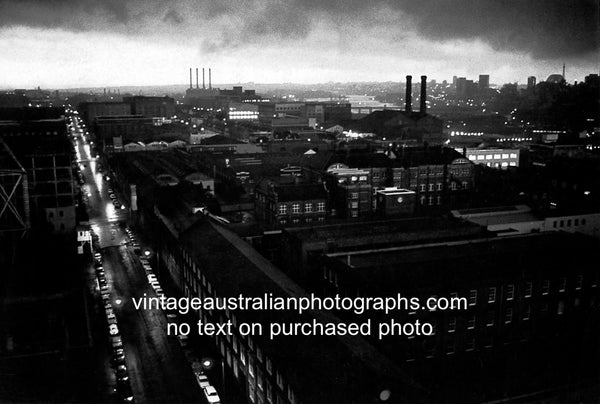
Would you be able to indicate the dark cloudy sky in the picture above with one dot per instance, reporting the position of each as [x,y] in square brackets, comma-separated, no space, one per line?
[68,43]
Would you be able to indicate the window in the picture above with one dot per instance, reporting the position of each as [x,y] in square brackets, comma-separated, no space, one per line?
[296,208]
[280,380]
[497,156]
[583,222]
[569,223]
[470,344]
[439,200]
[505,156]
[490,318]
[579,282]
[439,186]
[491,295]
[282,209]
[354,205]
[354,195]
[481,157]
[489,157]
[422,188]
[450,347]
[510,292]
[471,322]
[269,366]
[576,222]
[291,396]
[465,184]
[508,315]
[452,324]
[422,200]
[453,186]
[545,287]
[430,199]
[308,207]
[61,213]
[527,313]
[431,187]
[354,213]
[561,308]
[528,289]
[472,297]
[321,207]
[562,285]
[363,178]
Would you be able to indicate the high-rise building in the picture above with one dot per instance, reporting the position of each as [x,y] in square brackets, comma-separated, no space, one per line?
[484,82]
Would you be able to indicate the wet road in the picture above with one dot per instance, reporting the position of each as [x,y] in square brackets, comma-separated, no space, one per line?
[158,370]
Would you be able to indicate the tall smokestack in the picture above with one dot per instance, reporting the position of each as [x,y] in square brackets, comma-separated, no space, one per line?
[203,86]
[423,99]
[564,77]
[190,77]
[209,80]
[408,98]
[197,78]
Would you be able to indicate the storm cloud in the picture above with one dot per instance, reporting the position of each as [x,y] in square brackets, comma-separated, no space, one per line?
[543,29]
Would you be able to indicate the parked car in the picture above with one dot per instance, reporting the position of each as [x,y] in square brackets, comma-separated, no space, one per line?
[211,395]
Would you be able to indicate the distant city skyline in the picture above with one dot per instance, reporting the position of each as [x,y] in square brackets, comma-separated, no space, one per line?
[68,44]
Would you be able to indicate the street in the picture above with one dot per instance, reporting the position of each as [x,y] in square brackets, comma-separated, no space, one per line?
[156,365]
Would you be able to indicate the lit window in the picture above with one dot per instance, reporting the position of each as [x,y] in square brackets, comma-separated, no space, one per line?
[491,295]
[439,186]
[513,155]
[282,209]
[528,289]
[308,207]
[472,297]
[510,292]
[296,208]
[545,287]
[363,177]
[431,187]
[481,157]
[562,286]
[354,195]
[497,156]
[508,314]
[452,324]
[422,187]
[354,205]
[471,322]
[321,207]
[505,156]
[453,186]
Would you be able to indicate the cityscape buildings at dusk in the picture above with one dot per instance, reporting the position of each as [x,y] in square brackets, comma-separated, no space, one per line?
[299,203]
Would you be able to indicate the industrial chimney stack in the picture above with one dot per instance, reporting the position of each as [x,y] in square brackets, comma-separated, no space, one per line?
[423,99]
[408,98]
[203,86]
[190,77]
[197,77]
[209,80]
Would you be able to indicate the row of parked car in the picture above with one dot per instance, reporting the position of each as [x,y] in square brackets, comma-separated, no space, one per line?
[123,387]
[114,199]
[209,391]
